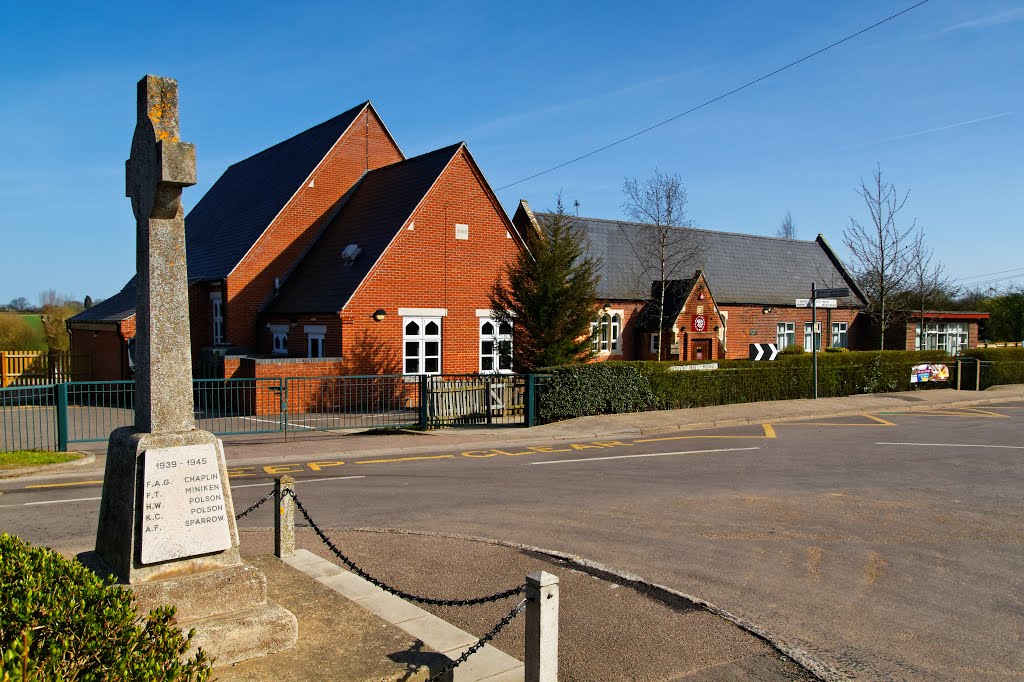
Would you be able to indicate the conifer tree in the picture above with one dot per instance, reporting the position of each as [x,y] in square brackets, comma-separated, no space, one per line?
[549,296]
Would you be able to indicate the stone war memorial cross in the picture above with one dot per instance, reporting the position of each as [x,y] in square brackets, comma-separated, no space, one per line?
[167,526]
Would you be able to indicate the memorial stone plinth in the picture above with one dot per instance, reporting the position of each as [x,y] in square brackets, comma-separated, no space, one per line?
[167,522]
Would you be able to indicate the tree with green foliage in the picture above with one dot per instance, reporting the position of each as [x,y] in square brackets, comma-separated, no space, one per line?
[548,295]
[57,309]
[1006,321]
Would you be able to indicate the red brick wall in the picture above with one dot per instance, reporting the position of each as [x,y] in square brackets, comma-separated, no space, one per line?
[297,337]
[106,350]
[365,146]
[743,319]
[428,268]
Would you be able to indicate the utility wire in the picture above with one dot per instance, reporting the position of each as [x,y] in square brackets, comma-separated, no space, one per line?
[720,97]
[987,274]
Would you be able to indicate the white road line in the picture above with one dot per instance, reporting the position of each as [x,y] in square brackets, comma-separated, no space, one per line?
[957,445]
[77,499]
[652,454]
[298,480]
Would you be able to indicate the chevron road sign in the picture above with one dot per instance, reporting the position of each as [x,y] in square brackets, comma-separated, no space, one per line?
[763,351]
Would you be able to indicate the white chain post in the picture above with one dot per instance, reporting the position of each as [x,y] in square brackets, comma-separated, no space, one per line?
[541,627]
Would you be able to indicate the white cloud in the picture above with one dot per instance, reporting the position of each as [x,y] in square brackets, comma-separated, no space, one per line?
[989,20]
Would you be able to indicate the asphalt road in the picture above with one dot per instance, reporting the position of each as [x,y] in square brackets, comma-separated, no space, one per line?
[888,546]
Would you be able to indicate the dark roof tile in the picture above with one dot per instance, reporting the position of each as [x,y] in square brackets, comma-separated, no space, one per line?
[233,214]
[376,210]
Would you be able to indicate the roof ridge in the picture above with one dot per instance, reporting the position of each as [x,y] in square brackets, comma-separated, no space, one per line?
[332,119]
[453,147]
[702,229]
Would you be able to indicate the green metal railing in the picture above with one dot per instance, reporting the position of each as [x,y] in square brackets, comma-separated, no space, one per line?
[52,416]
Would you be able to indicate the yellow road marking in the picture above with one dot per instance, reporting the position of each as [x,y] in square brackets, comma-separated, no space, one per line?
[62,485]
[401,459]
[884,422]
[769,432]
[878,421]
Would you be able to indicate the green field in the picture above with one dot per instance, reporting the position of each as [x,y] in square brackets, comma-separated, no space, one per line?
[34,320]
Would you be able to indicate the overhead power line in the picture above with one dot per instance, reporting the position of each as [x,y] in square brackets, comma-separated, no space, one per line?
[716,99]
[989,274]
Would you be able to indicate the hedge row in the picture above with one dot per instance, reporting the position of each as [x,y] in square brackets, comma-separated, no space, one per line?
[58,621]
[615,387]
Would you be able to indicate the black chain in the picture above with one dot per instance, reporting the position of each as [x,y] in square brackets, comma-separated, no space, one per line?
[483,640]
[259,503]
[387,588]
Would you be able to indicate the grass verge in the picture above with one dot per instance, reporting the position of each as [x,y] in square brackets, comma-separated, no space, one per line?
[33,458]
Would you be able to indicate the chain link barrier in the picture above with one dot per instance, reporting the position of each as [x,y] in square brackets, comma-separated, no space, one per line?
[257,505]
[387,588]
[480,642]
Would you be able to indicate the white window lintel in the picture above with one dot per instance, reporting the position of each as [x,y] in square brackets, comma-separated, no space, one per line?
[422,312]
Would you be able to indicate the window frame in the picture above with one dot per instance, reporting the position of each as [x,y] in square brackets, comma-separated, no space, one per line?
[784,331]
[606,333]
[840,337]
[421,339]
[497,338]
[654,342]
[217,315]
[279,332]
[815,336]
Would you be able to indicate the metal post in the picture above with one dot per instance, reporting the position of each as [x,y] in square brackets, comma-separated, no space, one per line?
[541,627]
[62,417]
[814,346]
[959,372]
[424,398]
[531,397]
[977,384]
[284,517]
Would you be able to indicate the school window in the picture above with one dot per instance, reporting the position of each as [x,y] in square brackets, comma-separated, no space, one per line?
[949,337]
[495,346]
[655,342]
[839,330]
[785,335]
[280,332]
[217,303]
[421,345]
[605,333]
[807,336]
[315,340]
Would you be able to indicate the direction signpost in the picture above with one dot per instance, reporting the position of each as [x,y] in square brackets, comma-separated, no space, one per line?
[820,298]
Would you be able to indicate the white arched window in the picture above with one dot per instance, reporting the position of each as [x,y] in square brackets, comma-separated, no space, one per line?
[495,346]
[606,333]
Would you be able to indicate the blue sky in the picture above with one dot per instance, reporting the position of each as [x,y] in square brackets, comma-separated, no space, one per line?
[935,96]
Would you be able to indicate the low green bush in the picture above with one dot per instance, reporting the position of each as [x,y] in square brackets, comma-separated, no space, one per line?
[610,387]
[58,621]
[600,388]
[997,354]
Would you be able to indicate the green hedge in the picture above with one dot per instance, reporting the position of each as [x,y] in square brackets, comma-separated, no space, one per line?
[58,621]
[610,387]
[582,390]
[997,354]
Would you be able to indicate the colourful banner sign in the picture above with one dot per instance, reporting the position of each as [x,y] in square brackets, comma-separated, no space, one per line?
[920,374]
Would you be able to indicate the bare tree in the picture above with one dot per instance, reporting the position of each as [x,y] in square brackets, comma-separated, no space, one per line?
[787,230]
[881,251]
[928,284]
[667,245]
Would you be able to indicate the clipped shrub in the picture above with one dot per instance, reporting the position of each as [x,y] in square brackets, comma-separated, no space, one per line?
[58,621]
[600,388]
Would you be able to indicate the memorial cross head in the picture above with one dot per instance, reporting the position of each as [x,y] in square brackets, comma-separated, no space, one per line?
[160,163]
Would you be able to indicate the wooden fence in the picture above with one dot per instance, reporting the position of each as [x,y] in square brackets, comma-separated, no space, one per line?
[36,368]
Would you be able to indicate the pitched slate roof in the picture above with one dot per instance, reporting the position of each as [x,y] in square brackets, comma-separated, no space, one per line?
[740,268]
[233,214]
[374,213]
[118,307]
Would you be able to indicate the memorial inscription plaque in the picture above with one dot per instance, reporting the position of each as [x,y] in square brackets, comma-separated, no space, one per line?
[184,511]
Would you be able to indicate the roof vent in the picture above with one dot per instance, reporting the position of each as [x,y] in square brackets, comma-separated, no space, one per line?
[350,253]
